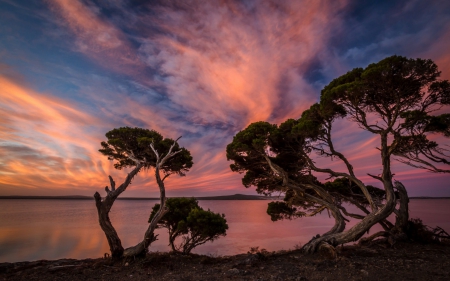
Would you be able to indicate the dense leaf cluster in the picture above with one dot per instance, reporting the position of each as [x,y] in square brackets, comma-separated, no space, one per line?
[127,145]
[187,220]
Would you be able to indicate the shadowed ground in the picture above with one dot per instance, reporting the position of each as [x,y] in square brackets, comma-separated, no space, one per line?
[406,261]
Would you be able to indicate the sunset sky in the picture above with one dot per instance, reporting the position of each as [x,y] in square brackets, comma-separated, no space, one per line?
[71,70]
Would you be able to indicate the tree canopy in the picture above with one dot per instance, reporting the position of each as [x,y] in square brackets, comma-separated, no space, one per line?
[186,219]
[127,146]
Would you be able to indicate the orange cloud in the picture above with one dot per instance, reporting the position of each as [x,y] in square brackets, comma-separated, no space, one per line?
[221,65]
[45,143]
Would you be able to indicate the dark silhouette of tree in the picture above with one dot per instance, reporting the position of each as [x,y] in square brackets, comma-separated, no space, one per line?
[187,220]
[138,149]
[394,99]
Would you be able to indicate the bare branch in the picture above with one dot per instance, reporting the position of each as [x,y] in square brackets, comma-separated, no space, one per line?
[425,164]
[345,175]
[375,177]
[113,183]
[170,154]
[154,151]
[165,176]
[133,158]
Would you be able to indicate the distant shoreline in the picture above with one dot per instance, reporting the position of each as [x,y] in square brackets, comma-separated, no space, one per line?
[223,197]
[81,197]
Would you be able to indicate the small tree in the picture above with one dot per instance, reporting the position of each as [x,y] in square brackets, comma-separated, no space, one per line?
[138,148]
[187,220]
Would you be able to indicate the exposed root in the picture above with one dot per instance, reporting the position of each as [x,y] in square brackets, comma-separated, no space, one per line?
[329,250]
[317,243]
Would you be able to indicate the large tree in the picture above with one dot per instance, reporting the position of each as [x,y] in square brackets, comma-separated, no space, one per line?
[396,99]
[138,149]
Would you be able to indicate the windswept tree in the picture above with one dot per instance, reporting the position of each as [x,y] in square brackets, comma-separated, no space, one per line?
[396,99]
[272,159]
[188,221]
[138,149]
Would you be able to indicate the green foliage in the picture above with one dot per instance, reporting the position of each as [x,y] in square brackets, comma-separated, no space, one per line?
[125,143]
[281,210]
[179,211]
[186,219]
[388,88]
[346,190]
[250,148]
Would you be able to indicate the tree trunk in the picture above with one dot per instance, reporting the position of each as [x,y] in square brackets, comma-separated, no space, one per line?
[401,221]
[172,236]
[149,236]
[115,245]
[339,221]
[105,205]
[358,230]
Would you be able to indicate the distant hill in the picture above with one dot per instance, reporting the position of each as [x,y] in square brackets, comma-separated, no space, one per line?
[427,197]
[81,197]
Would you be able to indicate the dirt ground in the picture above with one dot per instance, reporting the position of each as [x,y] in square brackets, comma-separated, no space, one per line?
[404,261]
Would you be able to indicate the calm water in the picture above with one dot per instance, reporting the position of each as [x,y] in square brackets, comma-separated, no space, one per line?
[53,229]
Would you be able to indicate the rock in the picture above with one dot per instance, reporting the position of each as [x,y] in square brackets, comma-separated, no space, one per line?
[233,271]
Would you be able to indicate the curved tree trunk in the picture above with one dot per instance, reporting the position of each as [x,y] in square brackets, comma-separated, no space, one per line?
[387,225]
[172,236]
[322,198]
[376,216]
[149,236]
[327,201]
[103,208]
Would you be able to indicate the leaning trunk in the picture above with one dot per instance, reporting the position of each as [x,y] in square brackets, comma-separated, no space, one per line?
[376,216]
[103,208]
[326,200]
[115,245]
[149,236]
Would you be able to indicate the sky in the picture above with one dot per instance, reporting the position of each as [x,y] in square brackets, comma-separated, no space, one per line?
[71,70]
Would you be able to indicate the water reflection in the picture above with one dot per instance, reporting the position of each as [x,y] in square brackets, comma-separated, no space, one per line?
[52,229]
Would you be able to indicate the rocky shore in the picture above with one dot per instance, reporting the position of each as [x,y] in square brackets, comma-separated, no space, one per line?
[405,261]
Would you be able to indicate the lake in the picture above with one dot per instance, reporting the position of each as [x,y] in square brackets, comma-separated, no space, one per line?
[54,229]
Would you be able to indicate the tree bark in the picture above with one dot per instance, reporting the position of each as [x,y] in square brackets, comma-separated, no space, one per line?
[103,208]
[358,230]
[401,221]
[323,197]
[149,236]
